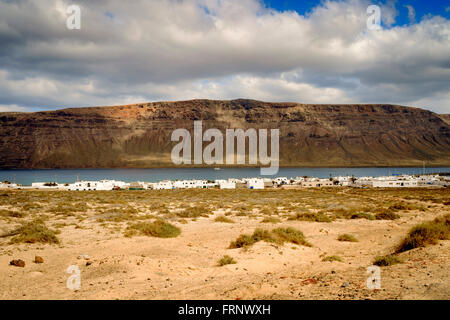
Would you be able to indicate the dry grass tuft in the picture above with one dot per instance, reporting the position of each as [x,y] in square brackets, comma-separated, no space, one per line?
[278,236]
[226,260]
[388,260]
[310,216]
[158,228]
[387,215]
[223,219]
[33,232]
[347,237]
[270,220]
[332,258]
[427,233]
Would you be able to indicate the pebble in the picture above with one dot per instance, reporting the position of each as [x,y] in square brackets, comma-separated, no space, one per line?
[17,263]
[38,259]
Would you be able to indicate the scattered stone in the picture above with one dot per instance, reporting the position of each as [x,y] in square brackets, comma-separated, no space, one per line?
[17,263]
[38,259]
[309,281]
[88,263]
[345,284]
[84,256]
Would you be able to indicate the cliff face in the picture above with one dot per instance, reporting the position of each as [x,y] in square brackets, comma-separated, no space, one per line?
[139,135]
[445,117]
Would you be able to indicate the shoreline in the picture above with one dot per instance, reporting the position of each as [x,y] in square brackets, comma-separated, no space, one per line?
[232,167]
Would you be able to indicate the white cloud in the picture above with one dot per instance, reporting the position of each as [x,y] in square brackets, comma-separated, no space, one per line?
[13,108]
[146,50]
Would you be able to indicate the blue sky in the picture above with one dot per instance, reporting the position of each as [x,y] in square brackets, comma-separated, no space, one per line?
[422,8]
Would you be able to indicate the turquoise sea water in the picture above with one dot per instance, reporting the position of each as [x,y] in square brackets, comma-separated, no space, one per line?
[26,177]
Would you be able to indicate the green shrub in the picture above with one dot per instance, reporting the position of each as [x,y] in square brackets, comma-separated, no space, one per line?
[290,235]
[226,260]
[310,216]
[245,240]
[362,215]
[332,258]
[279,236]
[223,219]
[33,232]
[158,228]
[387,215]
[270,220]
[194,212]
[388,260]
[426,233]
[11,213]
[347,237]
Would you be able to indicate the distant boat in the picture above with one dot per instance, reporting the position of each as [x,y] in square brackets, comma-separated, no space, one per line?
[217,168]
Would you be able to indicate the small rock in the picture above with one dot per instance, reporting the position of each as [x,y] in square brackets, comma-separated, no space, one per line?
[309,281]
[17,263]
[345,284]
[88,263]
[84,256]
[38,259]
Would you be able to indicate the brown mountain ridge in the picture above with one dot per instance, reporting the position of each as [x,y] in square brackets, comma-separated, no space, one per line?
[138,136]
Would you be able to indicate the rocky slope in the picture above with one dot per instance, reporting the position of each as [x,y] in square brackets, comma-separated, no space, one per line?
[139,135]
[445,117]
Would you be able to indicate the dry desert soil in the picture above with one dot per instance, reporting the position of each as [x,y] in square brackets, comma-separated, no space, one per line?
[104,234]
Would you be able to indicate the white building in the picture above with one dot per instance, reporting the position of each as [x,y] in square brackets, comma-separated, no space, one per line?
[190,184]
[8,185]
[224,184]
[395,183]
[44,185]
[282,180]
[163,185]
[255,183]
[317,183]
[96,185]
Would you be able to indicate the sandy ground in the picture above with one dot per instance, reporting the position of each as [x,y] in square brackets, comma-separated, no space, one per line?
[186,267]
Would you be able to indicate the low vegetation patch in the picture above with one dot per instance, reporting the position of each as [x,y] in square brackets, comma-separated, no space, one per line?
[310,216]
[362,215]
[278,236]
[332,258]
[388,260]
[406,206]
[11,213]
[245,240]
[387,215]
[226,260]
[427,233]
[194,212]
[290,235]
[158,228]
[223,219]
[347,237]
[33,232]
[271,220]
